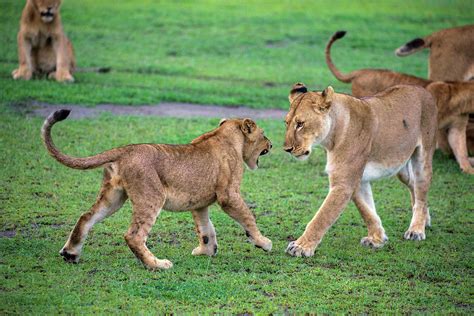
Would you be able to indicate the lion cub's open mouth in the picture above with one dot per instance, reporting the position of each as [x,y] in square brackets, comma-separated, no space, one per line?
[47,16]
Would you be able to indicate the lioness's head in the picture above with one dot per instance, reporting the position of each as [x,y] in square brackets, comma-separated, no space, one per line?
[47,9]
[255,144]
[307,122]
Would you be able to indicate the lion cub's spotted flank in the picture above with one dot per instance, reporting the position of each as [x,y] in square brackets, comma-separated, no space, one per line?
[170,177]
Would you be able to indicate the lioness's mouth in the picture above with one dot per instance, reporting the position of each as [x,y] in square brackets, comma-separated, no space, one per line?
[47,14]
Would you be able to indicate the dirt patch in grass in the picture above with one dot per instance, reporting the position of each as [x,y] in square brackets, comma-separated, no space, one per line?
[180,110]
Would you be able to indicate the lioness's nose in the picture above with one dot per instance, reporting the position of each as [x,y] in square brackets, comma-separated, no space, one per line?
[288,149]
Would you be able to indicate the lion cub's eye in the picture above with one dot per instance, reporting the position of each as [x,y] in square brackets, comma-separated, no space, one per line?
[299,125]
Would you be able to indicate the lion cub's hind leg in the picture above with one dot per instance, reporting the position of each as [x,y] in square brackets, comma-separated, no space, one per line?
[111,197]
[206,233]
[364,201]
[421,163]
[457,141]
[148,197]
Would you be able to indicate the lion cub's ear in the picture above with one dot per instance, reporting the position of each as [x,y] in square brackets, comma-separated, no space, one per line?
[248,126]
[222,121]
[328,95]
[297,89]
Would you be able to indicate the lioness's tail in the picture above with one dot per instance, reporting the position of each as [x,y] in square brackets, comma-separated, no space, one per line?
[93,69]
[347,78]
[413,46]
[73,162]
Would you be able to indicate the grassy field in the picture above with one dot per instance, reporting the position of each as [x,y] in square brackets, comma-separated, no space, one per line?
[224,53]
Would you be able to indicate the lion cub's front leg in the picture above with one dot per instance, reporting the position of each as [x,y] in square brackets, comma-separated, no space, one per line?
[206,233]
[235,207]
[332,207]
[25,68]
[63,61]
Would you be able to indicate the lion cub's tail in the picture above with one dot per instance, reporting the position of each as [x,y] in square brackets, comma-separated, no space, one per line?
[100,70]
[347,78]
[413,46]
[73,162]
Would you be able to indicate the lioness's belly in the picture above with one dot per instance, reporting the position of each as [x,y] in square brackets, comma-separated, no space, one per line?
[374,171]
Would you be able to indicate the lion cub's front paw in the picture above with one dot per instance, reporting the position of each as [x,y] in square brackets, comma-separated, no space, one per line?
[62,76]
[468,170]
[300,249]
[264,243]
[413,234]
[373,242]
[210,250]
[159,264]
[22,73]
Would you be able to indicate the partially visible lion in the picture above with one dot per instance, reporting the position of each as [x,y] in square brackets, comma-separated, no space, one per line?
[455,101]
[159,177]
[392,133]
[451,53]
[367,82]
[43,48]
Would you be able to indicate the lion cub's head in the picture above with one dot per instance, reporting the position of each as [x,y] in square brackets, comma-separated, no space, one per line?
[48,9]
[307,122]
[255,143]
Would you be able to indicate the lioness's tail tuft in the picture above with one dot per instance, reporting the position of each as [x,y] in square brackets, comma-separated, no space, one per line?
[339,75]
[411,47]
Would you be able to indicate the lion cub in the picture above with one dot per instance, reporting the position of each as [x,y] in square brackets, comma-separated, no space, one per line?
[392,133]
[170,177]
[43,48]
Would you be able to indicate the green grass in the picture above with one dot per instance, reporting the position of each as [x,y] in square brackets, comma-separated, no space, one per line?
[41,200]
[225,53]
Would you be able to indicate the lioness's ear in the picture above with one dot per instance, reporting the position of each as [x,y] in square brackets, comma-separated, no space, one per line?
[328,95]
[248,126]
[297,89]
[222,121]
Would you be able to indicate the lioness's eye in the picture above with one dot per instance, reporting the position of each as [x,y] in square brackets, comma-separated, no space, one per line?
[299,124]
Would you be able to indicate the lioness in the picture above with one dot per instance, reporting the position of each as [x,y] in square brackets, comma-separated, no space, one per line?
[43,48]
[365,139]
[170,177]
[366,82]
[455,100]
[451,53]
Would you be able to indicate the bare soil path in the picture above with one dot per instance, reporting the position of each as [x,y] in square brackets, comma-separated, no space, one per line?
[180,110]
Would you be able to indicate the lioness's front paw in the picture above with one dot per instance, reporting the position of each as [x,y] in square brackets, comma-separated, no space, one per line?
[23,74]
[205,250]
[160,264]
[69,256]
[373,242]
[412,234]
[300,249]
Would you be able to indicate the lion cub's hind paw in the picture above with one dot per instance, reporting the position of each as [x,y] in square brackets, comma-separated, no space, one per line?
[69,257]
[297,250]
[414,235]
[160,264]
[205,251]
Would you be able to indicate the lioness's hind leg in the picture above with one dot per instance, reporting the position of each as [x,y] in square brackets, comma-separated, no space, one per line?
[422,169]
[206,233]
[457,141]
[364,201]
[109,200]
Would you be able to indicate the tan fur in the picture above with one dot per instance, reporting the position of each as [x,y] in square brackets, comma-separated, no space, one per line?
[455,100]
[170,177]
[365,139]
[451,53]
[43,48]
[367,82]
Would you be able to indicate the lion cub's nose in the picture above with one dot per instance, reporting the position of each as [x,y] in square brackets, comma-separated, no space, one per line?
[288,149]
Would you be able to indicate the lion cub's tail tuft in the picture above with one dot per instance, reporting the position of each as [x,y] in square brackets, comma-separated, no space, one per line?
[411,47]
[73,162]
[347,78]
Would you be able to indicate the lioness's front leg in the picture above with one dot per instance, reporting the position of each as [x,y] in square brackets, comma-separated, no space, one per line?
[62,73]
[235,207]
[206,233]
[25,68]
[332,207]
[457,141]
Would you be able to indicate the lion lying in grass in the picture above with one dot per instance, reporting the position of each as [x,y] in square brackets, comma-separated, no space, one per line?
[170,177]
[392,133]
